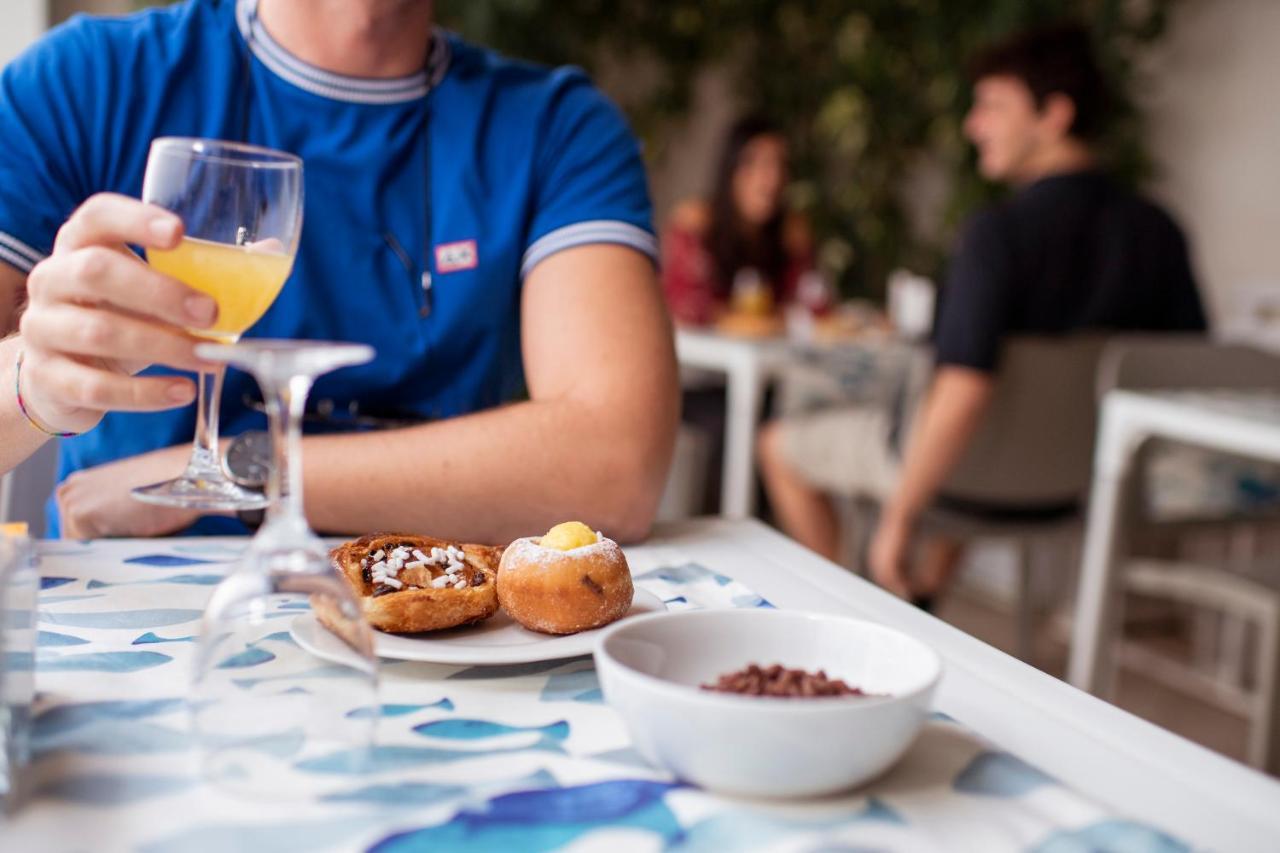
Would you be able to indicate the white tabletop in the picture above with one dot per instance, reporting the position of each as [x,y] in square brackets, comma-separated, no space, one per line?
[99,596]
[1246,422]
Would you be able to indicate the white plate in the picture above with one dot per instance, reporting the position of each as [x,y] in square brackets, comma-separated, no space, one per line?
[498,640]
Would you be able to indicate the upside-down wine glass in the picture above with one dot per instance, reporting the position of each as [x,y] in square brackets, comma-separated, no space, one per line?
[305,726]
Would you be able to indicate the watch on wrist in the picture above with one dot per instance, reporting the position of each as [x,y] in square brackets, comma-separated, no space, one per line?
[248,461]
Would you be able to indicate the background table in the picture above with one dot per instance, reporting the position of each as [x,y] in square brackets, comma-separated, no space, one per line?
[527,757]
[749,365]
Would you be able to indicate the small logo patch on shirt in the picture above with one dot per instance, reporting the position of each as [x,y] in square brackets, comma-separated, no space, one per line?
[454,257]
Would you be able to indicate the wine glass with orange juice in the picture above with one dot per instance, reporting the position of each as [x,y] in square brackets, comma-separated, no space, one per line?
[241,208]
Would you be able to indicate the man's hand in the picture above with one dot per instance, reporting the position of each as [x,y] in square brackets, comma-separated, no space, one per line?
[97,314]
[888,556]
[952,410]
[95,503]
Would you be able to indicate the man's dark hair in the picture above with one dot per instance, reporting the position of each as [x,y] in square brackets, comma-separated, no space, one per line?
[1058,59]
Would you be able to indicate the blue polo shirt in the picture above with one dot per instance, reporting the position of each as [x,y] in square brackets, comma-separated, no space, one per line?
[524,161]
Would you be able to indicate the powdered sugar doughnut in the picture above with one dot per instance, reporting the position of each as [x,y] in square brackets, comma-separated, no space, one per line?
[563,592]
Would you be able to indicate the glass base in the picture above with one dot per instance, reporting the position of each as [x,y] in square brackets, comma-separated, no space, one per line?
[211,493]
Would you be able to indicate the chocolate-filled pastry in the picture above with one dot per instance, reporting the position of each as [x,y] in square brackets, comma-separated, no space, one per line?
[407,584]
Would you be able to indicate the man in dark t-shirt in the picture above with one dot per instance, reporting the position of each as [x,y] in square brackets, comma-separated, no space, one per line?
[1069,250]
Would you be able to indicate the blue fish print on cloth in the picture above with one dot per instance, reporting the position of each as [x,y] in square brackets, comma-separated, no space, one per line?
[463,729]
[626,756]
[113,789]
[169,561]
[422,793]
[149,618]
[54,583]
[326,671]
[741,829]
[53,638]
[534,821]
[751,600]
[402,794]
[282,744]
[102,662]
[999,774]
[399,710]
[381,759]
[19,661]
[688,573]
[149,638]
[252,656]
[1113,836]
[123,737]
[114,737]
[190,580]
[66,717]
[580,686]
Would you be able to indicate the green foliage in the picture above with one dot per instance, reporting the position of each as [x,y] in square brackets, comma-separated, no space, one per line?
[866,90]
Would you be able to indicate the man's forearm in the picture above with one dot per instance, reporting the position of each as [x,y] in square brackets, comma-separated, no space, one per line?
[593,444]
[954,407]
[494,476]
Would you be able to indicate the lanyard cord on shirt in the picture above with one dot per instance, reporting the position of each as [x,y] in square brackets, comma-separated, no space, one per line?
[425,279]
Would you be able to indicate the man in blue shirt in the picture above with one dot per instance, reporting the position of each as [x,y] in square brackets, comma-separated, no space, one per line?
[541,251]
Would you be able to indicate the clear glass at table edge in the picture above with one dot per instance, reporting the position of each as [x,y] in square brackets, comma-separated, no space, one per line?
[274,736]
[241,209]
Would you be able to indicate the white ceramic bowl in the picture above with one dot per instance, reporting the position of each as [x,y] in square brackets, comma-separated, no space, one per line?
[651,668]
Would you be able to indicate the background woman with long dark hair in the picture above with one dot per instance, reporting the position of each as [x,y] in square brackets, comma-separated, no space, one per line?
[744,226]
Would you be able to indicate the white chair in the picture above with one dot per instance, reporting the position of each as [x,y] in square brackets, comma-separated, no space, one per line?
[1184,363]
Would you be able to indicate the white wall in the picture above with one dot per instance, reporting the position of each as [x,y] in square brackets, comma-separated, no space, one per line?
[21,21]
[1213,107]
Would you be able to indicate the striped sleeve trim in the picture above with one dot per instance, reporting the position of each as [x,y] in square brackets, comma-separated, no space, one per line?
[18,253]
[586,233]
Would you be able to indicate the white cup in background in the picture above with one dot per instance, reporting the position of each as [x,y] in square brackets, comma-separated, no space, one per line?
[911,304]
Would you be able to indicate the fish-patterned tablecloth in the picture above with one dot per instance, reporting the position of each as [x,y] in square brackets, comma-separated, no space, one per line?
[498,758]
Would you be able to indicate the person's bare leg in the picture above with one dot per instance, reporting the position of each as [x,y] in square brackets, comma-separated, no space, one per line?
[939,558]
[805,513]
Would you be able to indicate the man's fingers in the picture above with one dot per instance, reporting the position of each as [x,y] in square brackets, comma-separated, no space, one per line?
[75,385]
[111,220]
[66,328]
[95,275]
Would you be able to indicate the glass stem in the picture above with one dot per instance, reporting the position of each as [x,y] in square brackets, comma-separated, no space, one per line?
[206,461]
[286,402]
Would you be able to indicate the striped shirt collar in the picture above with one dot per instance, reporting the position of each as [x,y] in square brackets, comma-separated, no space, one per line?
[360,90]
